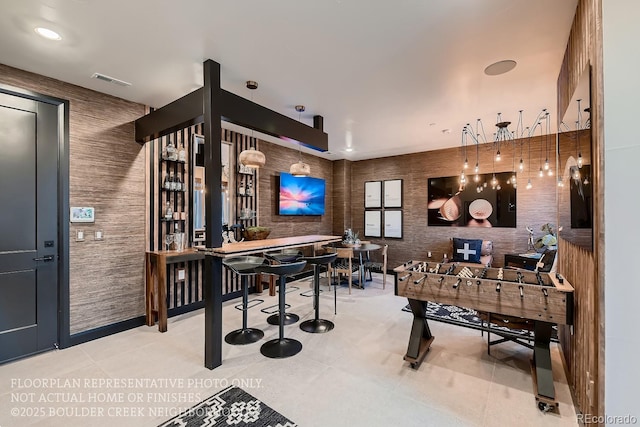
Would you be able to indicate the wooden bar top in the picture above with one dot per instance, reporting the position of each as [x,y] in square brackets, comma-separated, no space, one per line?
[257,246]
[188,254]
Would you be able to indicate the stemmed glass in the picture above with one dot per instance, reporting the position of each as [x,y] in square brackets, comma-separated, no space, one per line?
[168,239]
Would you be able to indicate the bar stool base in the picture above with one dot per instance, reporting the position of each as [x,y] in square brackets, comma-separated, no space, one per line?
[244,336]
[289,319]
[317,326]
[280,348]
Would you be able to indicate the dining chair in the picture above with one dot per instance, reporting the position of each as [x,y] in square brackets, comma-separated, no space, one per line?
[344,264]
[379,267]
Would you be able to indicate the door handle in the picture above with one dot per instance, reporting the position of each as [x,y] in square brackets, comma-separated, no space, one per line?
[45,258]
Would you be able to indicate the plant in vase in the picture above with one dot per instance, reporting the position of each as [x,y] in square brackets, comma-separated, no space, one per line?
[548,240]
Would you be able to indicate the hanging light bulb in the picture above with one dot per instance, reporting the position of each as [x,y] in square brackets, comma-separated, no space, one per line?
[498,157]
[560,182]
[300,168]
[513,179]
[586,180]
[579,160]
[466,164]
[463,178]
[252,158]
[476,178]
[494,181]
[476,169]
[521,166]
[529,185]
[546,164]
[550,172]
[540,172]
[576,174]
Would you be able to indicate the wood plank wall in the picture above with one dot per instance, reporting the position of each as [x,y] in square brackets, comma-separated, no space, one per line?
[341,196]
[107,171]
[584,351]
[535,207]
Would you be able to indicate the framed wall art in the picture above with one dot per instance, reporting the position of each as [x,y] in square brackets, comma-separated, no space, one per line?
[393,193]
[373,194]
[393,224]
[372,223]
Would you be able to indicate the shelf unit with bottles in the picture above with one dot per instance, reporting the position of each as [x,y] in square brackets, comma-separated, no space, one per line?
[246,180]
[173,185]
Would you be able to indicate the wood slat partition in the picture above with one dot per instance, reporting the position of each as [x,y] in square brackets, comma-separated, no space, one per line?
[584,351]
[186,295]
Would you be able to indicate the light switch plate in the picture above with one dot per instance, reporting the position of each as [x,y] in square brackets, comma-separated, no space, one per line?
[181,275]
[79,236]
[98,235]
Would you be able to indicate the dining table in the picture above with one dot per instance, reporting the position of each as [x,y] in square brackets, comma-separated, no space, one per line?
[360,250]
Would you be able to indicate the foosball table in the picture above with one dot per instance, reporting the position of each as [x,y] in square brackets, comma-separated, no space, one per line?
[543,298]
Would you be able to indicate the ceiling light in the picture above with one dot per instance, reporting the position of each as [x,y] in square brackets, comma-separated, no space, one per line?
[348,149]
[252,158]
[47,33]
[500,67]
[300,168]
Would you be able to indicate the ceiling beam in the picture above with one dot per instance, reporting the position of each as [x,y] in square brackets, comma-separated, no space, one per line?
[188,110]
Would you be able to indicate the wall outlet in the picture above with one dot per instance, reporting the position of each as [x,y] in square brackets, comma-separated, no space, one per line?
[98,235]
[79,236]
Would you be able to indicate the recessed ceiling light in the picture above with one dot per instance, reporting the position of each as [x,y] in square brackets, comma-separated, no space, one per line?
[47,33]
[348,149]
[500,67]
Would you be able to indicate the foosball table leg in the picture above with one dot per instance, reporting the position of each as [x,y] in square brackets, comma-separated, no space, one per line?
[420,339]
[541,368]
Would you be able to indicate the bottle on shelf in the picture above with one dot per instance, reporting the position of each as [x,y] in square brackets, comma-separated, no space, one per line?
[172,182]
[168,211]
[167,183]
[241,188]
[249,188]
[182,154]
[178,184]
[171,151]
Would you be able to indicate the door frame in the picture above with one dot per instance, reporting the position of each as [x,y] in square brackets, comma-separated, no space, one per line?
[63,340]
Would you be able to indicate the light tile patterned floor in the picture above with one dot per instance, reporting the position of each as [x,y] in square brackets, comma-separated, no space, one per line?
[351,376]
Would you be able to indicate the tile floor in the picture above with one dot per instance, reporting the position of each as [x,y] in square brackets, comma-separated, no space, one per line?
[351,376]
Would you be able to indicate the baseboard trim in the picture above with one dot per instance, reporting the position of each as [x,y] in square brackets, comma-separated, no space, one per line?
[104,331]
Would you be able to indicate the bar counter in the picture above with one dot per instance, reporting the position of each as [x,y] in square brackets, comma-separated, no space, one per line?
[258,246]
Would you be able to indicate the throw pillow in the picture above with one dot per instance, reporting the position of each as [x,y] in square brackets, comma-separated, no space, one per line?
[466,250]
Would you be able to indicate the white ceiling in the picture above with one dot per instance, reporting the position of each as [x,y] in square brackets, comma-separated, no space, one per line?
[387,76]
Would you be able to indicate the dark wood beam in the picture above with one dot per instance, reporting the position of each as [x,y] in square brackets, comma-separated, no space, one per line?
[211,105]
[177,115]
[245,113]
[188,110]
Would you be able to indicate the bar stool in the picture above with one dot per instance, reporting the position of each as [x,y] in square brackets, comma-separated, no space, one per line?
[281,347]
[285,256]
[317,325]
[244,266]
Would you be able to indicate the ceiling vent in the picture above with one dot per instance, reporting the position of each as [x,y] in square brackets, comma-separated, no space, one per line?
[108,79]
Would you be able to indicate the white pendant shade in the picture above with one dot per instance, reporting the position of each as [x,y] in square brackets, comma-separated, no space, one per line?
[252,158]
[300,169]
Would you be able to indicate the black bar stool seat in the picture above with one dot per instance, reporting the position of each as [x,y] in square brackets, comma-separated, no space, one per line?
[281,347]
[317,325]
[244,266]
[284,256]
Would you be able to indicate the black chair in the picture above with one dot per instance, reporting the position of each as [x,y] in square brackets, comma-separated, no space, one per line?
[318,325]
[284,256]
[281,347]
[244,266]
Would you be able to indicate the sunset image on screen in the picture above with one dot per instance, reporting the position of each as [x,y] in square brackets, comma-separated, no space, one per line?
[301,195]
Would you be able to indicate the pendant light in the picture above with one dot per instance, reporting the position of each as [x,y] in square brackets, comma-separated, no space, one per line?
[300,168]
[252,158]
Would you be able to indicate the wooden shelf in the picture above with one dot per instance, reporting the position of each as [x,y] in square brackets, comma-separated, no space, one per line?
[173,161]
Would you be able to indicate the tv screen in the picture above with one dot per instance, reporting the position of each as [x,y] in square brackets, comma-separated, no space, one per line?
[301,195]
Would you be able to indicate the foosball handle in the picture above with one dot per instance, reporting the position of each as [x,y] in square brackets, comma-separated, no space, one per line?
[559,277]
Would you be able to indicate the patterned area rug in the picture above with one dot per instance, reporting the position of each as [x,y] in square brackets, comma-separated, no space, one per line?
[469,318]
[230,407]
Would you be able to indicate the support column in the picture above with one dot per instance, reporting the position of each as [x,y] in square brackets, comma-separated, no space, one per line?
[213,215]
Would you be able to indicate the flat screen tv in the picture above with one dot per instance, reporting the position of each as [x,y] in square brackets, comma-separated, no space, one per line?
[301,195]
